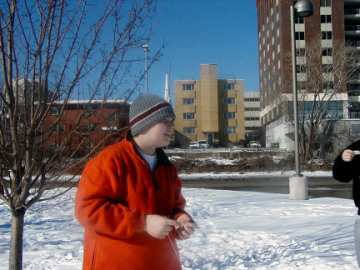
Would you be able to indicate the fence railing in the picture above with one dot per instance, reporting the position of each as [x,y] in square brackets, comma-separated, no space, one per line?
[353,11]
[352,27]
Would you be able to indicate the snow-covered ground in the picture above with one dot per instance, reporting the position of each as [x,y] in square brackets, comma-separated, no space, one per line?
[237,230]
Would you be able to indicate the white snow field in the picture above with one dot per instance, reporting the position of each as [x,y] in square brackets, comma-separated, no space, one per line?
[237,230]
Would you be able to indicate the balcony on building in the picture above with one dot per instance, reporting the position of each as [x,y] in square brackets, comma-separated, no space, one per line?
[352,13]
[352,30]
[353,43]
[351,2]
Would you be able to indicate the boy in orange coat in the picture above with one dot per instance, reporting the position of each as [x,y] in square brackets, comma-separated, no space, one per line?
[129,197]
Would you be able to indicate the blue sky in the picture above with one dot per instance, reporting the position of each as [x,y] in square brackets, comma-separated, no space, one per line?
[195,32]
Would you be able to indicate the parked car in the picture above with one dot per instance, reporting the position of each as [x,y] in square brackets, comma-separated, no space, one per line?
[199,144]
[203,144]
[194,145]
[254,144]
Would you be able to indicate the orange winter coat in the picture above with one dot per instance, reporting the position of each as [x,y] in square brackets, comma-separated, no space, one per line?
[116,190]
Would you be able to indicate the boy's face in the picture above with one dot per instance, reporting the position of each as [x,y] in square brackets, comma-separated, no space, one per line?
[159,134]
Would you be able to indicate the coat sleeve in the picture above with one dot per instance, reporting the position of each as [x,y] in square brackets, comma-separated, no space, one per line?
[100,201]
[346,171]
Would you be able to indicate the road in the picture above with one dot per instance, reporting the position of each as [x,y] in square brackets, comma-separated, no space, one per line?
[317,186]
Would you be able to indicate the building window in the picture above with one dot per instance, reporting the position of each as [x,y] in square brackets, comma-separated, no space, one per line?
[251,128]
[355,129]
[354,88]
[188,101]
[188,86]
[89,110]
[252,109]
[252,118]
[189,115]
[229,86]
[189,130]
[326,68]
[89,127]
[55,110]
[326,52]
[328,85]
[299,19]
[325,3]
[53,147]
[230,130]
[300,69]
[299,35]
[60,128]
[229,101]
[301,85]
[325,18]
[300,51]
[326,35]
[112,118]
[333,109]
[229,115]
[252,99]
[87,146]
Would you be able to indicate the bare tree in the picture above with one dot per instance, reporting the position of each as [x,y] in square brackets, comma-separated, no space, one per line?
[322,81]
[51,52]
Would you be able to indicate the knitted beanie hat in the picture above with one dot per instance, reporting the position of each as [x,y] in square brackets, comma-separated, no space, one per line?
[147,110]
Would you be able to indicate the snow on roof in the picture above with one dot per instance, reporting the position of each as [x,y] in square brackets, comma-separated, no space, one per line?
[94,101]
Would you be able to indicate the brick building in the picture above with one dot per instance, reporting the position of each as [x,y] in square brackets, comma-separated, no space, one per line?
[88,122]
[335,21]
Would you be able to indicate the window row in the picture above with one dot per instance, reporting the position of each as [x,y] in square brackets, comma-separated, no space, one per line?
[192,130]
[252,99]
[252,128]
[88,111]
[191,101]
[301,85]
[325,18]
[252,109]
[325,35]
[190,86]
[325,3]
[326,68]
[89,127]
[333,109]
[252,118]
[227,115]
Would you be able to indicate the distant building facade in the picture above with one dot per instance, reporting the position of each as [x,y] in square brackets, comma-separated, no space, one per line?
[333,21]
[210,109]
[98,119]
[253,131]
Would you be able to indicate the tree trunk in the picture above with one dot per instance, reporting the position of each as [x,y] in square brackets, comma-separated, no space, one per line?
[16,241]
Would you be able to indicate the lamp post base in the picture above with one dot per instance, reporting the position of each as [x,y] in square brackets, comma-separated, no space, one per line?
[298,186]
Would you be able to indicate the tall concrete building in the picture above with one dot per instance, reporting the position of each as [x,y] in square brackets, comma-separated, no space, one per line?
[333,21]
[210,109]
[252,116]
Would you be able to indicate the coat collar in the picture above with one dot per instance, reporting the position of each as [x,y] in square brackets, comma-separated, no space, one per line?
[162,157]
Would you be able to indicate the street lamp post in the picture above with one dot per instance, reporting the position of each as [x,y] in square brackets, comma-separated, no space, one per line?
[297,183]
[146,50]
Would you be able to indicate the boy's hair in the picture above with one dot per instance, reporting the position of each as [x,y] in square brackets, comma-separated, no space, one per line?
[147,110]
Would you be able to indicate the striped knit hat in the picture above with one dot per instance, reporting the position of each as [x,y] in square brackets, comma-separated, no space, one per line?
[147,110]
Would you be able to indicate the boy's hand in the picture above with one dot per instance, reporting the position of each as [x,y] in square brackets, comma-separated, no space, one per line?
[159,226]
[347,155]
[186,228]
